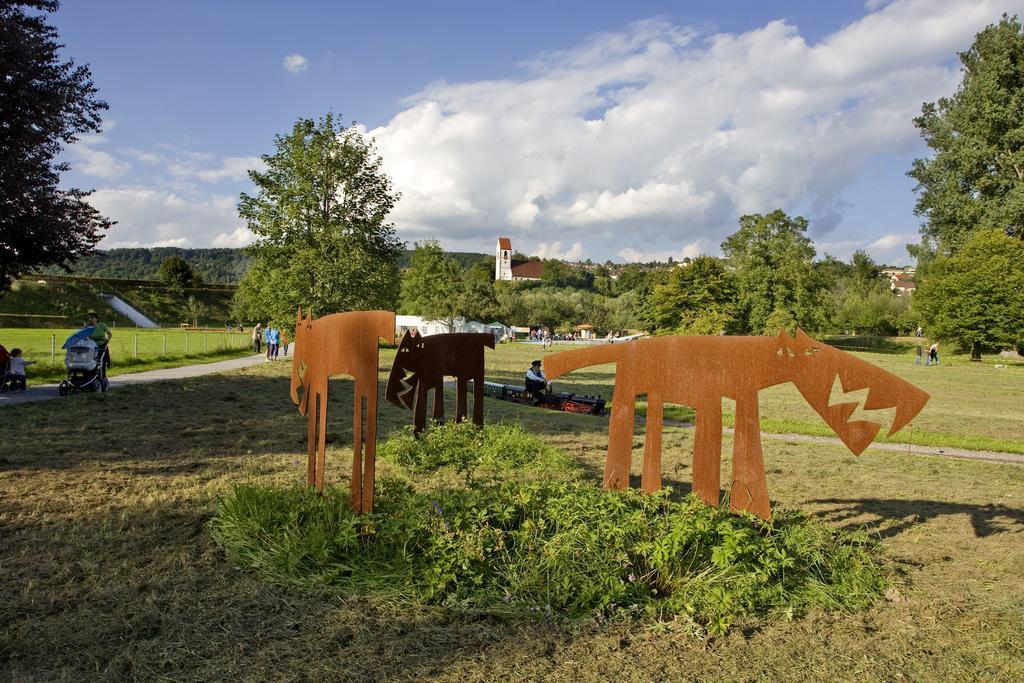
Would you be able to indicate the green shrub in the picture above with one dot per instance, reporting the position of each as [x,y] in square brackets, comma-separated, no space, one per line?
[465,447]
[547,548]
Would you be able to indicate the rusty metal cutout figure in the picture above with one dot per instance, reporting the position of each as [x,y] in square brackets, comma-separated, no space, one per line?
[340,343]
[700,371]
[421,365]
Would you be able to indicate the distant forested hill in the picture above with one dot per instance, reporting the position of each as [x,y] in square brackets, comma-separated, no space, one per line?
[216,266]
[465,259]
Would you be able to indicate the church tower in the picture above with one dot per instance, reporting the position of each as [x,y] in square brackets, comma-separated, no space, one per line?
[503,259]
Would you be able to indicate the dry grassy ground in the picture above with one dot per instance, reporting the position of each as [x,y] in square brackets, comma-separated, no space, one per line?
[107,570]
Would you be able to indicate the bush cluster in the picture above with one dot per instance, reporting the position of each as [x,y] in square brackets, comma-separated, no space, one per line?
[553,549]
[506,448]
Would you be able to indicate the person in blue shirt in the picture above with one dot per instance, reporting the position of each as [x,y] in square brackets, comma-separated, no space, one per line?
[266,339]
[275,341]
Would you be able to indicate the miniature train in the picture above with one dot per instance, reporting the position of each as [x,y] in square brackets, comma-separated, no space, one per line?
[564,401]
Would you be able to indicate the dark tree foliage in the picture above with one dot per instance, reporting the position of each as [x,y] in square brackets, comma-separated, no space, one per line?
[975,181]
[45,103]
[177,274]
[560,274]
[975,297]
[773,260]
[699,298]
[215,266]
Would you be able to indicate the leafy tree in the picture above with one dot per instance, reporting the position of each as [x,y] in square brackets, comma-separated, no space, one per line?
[873,311]
[195,309]
[478,300]
[775,276]
[975,181]
[511,309]
[177,274]
[975,297]
[632,278]
[560,274]
[45,103]
[864,270]
[320,219]
[696,299]
[432,287]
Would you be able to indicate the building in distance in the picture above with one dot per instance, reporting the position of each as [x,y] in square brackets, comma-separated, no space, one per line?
[507,268]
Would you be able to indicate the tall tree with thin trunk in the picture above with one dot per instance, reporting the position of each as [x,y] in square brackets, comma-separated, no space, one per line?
[320,218]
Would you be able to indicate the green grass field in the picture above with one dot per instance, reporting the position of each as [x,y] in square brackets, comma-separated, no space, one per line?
[108,570]
[131,349]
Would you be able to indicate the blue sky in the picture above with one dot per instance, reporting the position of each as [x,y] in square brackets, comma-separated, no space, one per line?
[580,129]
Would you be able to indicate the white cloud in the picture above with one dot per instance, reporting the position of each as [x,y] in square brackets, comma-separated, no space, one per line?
[239,237]
[231,168]
[140,155]
[692,250]
[148,217]
[96,162]
[296,63]
[658,135]
[554,250]
[894,241]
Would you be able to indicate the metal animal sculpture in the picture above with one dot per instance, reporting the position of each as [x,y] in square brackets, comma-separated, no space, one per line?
[421,365]
[340,343]
[700,371]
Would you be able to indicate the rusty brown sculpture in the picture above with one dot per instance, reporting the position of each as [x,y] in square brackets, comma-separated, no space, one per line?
[700,371]
[421,365]
[340,343]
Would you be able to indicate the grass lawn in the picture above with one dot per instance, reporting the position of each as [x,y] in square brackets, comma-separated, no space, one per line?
[108,571]
[166,348]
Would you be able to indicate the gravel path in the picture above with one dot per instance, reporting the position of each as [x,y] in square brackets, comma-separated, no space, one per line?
[45,392]
[910,449]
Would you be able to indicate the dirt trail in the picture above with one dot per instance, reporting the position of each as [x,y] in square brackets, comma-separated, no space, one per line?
[45,392]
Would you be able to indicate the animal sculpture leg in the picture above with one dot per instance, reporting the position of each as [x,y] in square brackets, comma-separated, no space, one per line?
[439,401]
[370,456]
[460,398]
[651,480]
[321,455]
[419,410]
[749,485]
[357,452]
[707,452]
[478,401]
[311,439]
[620,442]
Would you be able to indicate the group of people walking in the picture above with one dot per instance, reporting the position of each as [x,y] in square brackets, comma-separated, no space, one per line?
[271,337]
[931,356]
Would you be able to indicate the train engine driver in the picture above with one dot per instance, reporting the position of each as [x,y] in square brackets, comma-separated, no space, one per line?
[536,382]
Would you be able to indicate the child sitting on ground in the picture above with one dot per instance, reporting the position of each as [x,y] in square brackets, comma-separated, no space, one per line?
[16,372]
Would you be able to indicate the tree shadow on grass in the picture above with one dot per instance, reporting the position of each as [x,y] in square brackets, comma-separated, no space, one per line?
[894,515]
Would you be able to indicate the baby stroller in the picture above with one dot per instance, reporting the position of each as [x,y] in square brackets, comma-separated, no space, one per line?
[86,364]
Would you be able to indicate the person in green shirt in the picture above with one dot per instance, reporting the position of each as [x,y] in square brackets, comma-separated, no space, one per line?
[101,334]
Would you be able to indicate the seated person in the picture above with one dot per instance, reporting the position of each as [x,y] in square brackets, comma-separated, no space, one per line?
[536,382]
[16,370]
[101,334]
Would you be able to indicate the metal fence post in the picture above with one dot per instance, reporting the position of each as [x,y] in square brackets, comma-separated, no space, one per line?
[206,341]
[53,349]
[136,345]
